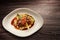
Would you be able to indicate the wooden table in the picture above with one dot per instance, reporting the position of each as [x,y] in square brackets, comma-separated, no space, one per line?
[50,11]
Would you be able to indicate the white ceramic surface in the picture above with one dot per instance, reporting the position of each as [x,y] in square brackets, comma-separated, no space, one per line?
[37,25]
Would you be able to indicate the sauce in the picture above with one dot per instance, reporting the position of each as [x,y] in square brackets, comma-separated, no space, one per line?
[20,24]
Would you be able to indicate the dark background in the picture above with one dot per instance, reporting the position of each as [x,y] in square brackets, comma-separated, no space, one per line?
[50,11]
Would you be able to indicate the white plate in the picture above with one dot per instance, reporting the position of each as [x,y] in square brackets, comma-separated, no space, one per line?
[37,25]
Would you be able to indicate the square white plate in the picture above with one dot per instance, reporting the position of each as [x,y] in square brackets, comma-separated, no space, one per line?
[37,25]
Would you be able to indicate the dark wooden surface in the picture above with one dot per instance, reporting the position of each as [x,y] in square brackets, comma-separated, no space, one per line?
[50,11]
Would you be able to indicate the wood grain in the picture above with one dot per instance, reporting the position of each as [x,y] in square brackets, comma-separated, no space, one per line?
[50,11]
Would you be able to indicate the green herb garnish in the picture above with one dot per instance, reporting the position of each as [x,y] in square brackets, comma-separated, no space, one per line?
[19,16]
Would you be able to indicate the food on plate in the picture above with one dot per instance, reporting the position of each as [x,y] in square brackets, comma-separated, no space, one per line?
[23,21]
